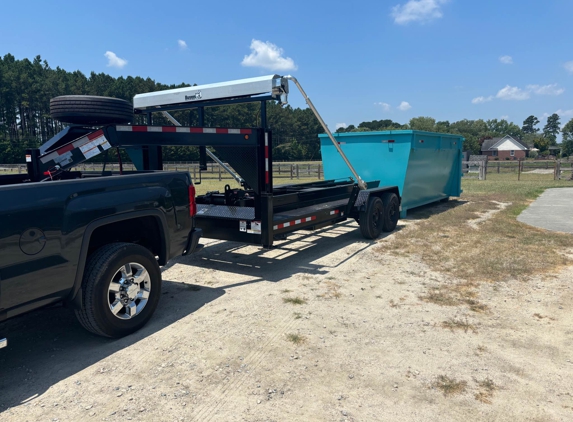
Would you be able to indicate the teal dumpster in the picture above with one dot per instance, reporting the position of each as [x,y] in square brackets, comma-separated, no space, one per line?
[426,166]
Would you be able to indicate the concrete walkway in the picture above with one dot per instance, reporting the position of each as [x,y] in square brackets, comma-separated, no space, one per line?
[553,210]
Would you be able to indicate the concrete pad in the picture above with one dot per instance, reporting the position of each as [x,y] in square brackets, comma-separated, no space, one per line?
[553,210]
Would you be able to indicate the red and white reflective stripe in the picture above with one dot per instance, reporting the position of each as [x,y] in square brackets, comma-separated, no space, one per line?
[267,175]
[294,223]
[334,212]
[182,129]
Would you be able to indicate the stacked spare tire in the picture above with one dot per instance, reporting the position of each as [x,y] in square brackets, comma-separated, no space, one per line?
[90,110]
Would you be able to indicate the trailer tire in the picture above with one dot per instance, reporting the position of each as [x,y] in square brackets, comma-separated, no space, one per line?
[372,219]
[119,270]
[91,110]
[391,211]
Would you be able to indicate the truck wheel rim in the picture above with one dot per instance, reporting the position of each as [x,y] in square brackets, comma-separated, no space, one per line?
[129,291]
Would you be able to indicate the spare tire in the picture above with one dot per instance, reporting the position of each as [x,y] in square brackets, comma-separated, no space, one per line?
[90,110]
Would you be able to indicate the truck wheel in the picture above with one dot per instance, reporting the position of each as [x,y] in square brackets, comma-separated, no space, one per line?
[372,219]
[90,110]
[120,290]
[391,211]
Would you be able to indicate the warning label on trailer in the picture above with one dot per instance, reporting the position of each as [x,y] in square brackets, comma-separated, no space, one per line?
[255,227]
[242,226]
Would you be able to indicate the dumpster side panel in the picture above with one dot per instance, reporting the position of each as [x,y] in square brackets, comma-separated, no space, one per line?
[371,154]
[425,166]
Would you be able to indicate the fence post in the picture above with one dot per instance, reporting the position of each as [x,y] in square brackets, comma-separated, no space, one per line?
[220,173]
[498,167]
[320,171]
[292,171]
[518,169]
[297,171]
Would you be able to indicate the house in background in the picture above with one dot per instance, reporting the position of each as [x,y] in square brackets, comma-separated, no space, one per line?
[506,148]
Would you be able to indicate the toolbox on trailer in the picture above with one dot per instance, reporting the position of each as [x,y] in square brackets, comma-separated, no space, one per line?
[425,166]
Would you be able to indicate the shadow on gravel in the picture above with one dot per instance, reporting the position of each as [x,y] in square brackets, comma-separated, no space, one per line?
[49,345]
[298,254]
[426,211]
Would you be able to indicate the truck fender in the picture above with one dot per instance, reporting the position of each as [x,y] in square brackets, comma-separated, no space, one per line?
[75,298]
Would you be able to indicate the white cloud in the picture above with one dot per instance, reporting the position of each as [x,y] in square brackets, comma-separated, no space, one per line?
[418,11]
[564,113]
[504,117]
[182,44]
[404,106]
[480,100]
[268,56]
[545,89]
[506,59]
[385,106]
[569,66]
[512,93]
[339,125]
[114,61]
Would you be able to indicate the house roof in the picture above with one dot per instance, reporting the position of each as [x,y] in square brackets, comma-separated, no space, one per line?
[489,143]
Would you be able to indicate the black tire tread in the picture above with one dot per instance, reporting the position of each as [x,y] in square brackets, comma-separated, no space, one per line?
[366,228]
[388,197]
[89,109]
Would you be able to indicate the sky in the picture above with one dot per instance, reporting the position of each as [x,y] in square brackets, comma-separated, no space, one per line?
[357,61]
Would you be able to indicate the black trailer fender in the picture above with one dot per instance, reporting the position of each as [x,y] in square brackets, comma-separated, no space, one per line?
[364,195]
[74,298]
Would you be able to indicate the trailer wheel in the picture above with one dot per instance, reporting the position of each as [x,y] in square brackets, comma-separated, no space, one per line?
[391,211]
[90,110]
[372,219]
[120,290]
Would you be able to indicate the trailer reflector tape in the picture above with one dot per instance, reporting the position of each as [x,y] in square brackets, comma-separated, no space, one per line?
[65,149]
[183,129]
[334,212]
[294,223]
[96,134]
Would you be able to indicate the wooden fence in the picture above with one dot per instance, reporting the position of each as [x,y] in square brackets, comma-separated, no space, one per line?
[560,169]
[306,170]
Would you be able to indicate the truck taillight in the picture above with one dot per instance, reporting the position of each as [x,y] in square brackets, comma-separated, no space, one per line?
[192,203]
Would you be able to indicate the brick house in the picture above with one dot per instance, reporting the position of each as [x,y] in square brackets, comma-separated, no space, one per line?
[505,148]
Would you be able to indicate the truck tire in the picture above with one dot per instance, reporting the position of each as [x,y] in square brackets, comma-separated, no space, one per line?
[391,211]
[120,290]
[90,110]
[372,219]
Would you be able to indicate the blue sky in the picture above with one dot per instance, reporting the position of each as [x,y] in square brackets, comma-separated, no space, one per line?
[358,61]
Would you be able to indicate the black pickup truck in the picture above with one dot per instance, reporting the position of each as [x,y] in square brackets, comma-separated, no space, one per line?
[95,243]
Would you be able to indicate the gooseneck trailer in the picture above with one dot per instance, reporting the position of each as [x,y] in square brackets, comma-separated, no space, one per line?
[259,212]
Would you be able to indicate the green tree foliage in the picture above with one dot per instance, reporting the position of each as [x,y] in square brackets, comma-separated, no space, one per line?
[552,128]
[567,143]
[503,127]
[529,125]
[427,124]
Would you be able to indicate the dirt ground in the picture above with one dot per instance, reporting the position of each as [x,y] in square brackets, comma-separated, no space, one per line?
[321,328]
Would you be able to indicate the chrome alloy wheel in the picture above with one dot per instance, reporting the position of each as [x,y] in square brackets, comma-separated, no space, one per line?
[129,290]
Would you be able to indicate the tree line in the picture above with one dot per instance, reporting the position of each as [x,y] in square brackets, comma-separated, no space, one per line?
[26,88]
[476,132]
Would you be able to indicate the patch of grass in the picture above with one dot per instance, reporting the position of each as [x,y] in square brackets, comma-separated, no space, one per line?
[394,304]
[294,300]
[449,386]
[286,291]
[458,324]
[296,338]
[445,241]
[455,295]
[297,315]
[481,350]
[486,390]
[332,291]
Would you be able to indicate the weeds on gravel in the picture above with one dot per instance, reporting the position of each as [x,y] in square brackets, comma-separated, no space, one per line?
[486,389]
[444,240]
[455,295]
[294,300]
[296,338]
[297,315]
[286,291]
[449,386]
[458,324]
